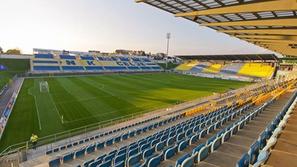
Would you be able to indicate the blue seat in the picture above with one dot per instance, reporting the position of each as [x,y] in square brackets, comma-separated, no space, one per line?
[244,161]
[180,136]
[155,161]
[202,154]
[145,146]
[262,158]
[221,132]
[122,151]
[109,157]
[44,56]
[117,139]
[86,163]
[125,136]
[120,164]
[194,138]
[80,153]
[49,151]
[133,152]
[106,164]
[72,68]
[216,143]
[90,149]
[189,162]
[241,125]
[101,157]
[68,157]
[132,133]
[170,152]
[218,125]
[203,133]
[120,158]
[226,136]
[95,163]
[263,139]
[181,159]
[109,142]
[100,145]
[197,149]
[254,152]
[46,68]
[235,129]
[133,146]
[154,142]
[67,57]
[211,139]
[184,144]
[160,146]
[148,153]
[135,160]
[55,162]
[170,141]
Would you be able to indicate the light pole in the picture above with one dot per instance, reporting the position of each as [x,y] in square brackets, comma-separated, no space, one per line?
[168,35]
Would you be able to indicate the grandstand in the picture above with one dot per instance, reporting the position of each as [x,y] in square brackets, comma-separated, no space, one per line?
[244,67]
[50,63]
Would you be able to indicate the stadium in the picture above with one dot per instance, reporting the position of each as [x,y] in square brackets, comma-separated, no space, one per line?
[62,108]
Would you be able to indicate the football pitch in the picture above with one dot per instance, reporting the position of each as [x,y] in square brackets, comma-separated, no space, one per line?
[72,102]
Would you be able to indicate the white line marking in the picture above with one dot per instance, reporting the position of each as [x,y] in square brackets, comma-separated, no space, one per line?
[55,107]
[35,101]
[37,113]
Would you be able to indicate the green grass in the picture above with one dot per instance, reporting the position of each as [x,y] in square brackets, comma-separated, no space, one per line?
[14,66]
[89,99]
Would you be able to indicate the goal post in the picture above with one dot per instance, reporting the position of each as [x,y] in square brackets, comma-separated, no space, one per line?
[43,86]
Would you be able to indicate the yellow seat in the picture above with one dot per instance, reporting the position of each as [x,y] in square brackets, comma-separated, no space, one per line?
[256,70]
[108,63]
[186,66]
[214,68]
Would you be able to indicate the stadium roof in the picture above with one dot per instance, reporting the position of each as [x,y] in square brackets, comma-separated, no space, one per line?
[271,24]
[248,57]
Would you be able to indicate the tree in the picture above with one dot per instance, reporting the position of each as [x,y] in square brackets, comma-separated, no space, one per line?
[1,50]
[13,51]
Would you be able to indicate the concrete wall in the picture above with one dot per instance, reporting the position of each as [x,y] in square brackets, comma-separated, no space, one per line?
[5,56]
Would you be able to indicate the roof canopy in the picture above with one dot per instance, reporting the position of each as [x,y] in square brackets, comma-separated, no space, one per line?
[271,24]
[243,57]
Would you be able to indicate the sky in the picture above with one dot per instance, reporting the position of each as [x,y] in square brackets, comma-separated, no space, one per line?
[106,25]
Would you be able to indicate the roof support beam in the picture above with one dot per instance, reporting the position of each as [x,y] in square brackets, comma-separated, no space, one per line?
[138,1]
[270,41]
[266,5]
[282,49]
[274,37]
[266,22]
[263,31]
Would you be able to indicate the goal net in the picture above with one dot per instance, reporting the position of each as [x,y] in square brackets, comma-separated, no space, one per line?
[43,86]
